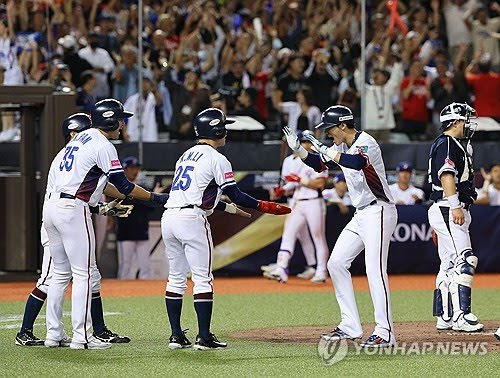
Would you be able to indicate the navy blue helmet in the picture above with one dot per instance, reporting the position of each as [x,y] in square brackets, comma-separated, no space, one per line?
[107,114]
[211,124]
[335,115]
[75,122]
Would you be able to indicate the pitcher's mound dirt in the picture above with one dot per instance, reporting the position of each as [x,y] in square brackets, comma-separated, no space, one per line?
[405,333]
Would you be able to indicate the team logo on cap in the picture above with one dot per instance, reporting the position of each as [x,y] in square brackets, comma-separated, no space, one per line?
[214,122]
[108,114]
[345,118]
[73,126]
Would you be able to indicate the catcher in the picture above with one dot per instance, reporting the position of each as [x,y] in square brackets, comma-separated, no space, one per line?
[25,337]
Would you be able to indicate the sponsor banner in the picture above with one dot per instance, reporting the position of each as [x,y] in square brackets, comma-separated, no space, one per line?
[243,245]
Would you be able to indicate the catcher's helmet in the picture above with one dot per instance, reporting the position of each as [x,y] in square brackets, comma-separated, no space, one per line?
[211,124]
[75,122]
[107,113]
[335,115]
[458,111]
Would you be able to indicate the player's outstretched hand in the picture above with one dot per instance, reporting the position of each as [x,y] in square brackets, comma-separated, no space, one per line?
[231,208]
[119,210]
[316,144]
[273,208]
[291,138]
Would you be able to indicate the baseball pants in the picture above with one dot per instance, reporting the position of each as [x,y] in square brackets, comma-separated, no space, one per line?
[128,250]
[189,247]
[72,248]
[370,229]
[307,214]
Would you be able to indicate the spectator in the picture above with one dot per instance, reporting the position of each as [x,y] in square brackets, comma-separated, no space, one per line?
[102,65]
[482,29]
[246,104]
[8,50]
[379,120]
[108,39]
[70,57]
[403,191]
[322,78]
[415,93]
[339,194]
[85,100]
[490,192]
[456,29]
[133,232]
[234,81]
[485,85]
[291,81]
[302,114]
[126,74]
[59,76]
[146,105]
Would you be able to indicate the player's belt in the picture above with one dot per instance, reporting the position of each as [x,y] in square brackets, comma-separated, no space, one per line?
[188,207]
[67,196]
[374,202]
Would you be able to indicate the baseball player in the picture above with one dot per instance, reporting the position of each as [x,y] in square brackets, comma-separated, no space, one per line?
[80,172]
[371,227]
[403,191]
[339,194]
[452,177]
[71,126]
[309,212]
[201,175]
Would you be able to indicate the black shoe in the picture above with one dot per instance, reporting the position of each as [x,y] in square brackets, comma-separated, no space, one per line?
[108,336]
[210,343]
[28,339]
[179,341]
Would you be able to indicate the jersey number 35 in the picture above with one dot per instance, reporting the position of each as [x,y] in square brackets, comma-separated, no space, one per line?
[68,159]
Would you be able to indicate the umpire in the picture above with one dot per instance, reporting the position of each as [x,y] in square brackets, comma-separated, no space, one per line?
[451,175]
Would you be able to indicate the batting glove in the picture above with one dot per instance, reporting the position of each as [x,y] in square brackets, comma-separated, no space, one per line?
[316,144]
[279,191]
[294,143]
[273,208]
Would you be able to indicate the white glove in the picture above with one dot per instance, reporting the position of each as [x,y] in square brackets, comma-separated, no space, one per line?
[316,144]
[294,143]
[291,138]
[114,209]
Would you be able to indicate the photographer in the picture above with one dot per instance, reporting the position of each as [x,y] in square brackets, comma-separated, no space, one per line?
[59,76]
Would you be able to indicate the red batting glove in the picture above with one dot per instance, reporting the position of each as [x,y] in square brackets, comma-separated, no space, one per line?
[273,208]
[278,191]
[434,238]
[292,178]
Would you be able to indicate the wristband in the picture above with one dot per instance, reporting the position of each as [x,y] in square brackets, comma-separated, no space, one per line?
[331,153]
[454,202]
[302,152]
[231,209]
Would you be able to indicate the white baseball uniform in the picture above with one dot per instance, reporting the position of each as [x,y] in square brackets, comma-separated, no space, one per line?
[308,215]
[406,197]
[200,175]
[331,195]
[370,229]
[80,171]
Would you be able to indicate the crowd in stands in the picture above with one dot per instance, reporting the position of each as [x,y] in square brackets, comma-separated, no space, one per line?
[277,61]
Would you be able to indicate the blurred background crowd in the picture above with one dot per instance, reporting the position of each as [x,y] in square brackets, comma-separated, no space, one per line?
[277,61]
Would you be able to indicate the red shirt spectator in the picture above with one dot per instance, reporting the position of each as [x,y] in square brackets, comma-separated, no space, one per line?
[415,106]
[486,87]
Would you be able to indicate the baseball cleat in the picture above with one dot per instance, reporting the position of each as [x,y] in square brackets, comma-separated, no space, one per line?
[279,274]
[467,323]
[336,334]
[210,343]
[179,341]
[28,339]
[307,274]
[497,334]
[108,336]
[268,268]
[64,342]
[93,343]
[375,341]
[443,325]
[318,278]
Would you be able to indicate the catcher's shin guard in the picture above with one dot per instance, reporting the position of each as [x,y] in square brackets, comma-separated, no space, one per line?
[442,305]
[461,285]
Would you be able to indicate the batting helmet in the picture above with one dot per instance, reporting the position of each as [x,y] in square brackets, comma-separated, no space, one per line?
[211,124]
[107,114]
[335,115]
[75,122]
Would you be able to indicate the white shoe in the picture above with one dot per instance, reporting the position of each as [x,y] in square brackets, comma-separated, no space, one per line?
[64,342]
[497,334]
[279,274]
[467,323]
[268,268]
[93,343]
[318,278]
[307,274]
[443,325]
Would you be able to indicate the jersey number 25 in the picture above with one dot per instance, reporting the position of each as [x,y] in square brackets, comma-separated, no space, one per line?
[68,159]
[182,179]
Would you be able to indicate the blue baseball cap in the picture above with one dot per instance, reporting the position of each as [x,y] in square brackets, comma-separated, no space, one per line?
[338,177]
[130,161]
[404,166]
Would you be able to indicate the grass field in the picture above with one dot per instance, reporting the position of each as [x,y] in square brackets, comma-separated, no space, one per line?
[144,320]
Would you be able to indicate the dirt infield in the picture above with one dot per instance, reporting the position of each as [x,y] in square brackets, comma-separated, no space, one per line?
[406,333]
[18,291]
